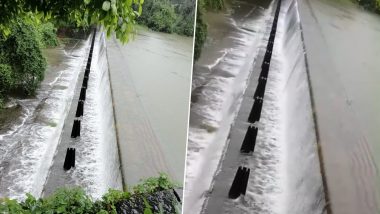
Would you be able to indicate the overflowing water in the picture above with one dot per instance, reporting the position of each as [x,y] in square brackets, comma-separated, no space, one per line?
[27,145]
[98,167]
[304,188]
[219,80]
[285,176]
[35,146]
[97,160]
[285,172]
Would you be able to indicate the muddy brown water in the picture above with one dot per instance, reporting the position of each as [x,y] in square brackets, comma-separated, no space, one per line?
[150,79]
[343,48]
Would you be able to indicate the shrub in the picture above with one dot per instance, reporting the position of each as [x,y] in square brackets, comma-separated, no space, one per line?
[154,184]
[372,5]
[159,15]
[185,22]
[175,16]
[21,50]
[6,81]
[47,35]
[76,201]
[201,28]
[200,34]
[213,4]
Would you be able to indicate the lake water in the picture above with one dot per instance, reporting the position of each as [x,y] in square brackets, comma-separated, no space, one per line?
[153,70]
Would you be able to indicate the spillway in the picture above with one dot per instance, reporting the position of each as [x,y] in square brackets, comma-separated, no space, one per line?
[285,173]
[97,165]
[33,146]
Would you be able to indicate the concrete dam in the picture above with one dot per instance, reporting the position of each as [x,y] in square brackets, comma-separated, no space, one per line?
[273,105]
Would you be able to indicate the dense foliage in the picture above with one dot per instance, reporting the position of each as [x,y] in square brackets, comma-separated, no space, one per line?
[373,5]
[200,34]
[158,15]
[46,34]
[185,11]
[22,65]
[6,80]
[22,62]
[76,201]
[213,4]
[113,15]
[170,16]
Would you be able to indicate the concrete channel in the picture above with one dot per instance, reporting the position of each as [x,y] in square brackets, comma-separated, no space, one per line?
[272,132]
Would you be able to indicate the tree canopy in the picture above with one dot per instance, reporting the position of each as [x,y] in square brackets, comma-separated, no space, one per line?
[114,15]
[170,16]
[373,5]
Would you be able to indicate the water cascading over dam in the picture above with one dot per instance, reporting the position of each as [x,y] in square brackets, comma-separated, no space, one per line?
[98,156]
[33,150]
[97,165]
[27,148]
[285,173]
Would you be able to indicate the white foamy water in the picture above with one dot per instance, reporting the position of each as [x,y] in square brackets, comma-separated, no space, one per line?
[216,99]
[28,147]
[97,164]
[285,173]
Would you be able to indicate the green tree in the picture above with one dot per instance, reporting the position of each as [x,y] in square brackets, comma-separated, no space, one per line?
[200,33]
[170,16]
[158,15]
[185,11]
[46,34]
[372,5]
[21,51]
[213,4]
[6,81]
[114,15]
[201,28]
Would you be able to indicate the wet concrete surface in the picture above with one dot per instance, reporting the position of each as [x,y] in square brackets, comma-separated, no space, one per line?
[342,48]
